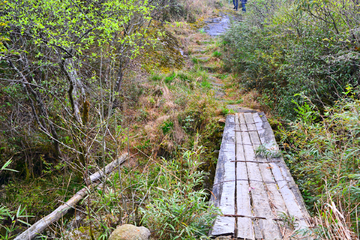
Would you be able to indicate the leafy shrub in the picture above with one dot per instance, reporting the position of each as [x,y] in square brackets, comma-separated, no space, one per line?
[285,48]
[324,158]
[177,211]
[167,126]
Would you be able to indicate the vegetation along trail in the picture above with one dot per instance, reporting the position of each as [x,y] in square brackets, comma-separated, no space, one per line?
[113,111]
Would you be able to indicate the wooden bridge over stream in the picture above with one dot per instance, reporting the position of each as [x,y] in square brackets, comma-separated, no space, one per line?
[256,193]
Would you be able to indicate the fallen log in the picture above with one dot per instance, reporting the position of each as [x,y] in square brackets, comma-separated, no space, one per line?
[43,223]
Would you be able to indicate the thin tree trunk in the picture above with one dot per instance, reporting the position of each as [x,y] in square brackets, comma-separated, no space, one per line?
[76,91]
[42,109]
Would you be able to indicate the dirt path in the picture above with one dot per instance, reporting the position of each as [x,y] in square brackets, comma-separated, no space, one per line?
[207,54]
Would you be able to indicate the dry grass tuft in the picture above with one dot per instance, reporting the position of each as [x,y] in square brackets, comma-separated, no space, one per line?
[333,223]
[250,100]
[200,7]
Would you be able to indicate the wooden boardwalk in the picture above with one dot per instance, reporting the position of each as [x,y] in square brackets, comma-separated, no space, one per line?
[256,193]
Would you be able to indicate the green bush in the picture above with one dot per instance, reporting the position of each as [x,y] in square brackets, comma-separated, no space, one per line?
[285,48]
[216,54]
[176,210]
[324,157]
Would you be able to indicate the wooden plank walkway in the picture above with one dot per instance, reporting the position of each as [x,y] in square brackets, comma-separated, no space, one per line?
[254,192]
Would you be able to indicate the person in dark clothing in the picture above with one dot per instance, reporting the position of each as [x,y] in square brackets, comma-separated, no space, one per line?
[236,4]
[243,2]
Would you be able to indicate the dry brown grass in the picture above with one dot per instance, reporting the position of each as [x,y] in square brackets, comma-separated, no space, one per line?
[334,222]
[250,100]
[201,7]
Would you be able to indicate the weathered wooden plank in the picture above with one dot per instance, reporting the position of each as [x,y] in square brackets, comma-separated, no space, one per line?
[227,147]
[264,129]
[245,138]
[277,202]
[229,154]
[291,196]
[243,198]
[257,118]
[237,122]
[245,228]
[218,180]
[224,185]
[257,230]
[223,226]
[250,122]
[291,203]
[227,203]
[275,199]
[260,201]
[251,127]
[262,207]
[255,140]
[249,153]
[249,119]
[224,156]
[266,124]
[242,119]
[253,172]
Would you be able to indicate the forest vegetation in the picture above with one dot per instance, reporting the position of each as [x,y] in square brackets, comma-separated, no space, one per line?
[300,61]
[82,82]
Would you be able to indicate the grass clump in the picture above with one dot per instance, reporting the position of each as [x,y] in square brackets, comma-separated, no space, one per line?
[156,77]
[217,54]
[206,84]
[170,78]
[176,210]
[195,60]
[167,126]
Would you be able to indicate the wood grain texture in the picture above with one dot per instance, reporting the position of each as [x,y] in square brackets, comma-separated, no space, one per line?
[223,226]
[287,187]
[252,191]
[225,184]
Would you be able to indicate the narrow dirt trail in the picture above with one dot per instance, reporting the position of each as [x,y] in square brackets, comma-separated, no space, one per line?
[204,52]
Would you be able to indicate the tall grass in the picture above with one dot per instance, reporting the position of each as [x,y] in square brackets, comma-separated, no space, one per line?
[175,209]
[324,158]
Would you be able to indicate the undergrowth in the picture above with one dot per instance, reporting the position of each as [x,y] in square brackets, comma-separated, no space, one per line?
[169,124]
[324,159]
[298,61]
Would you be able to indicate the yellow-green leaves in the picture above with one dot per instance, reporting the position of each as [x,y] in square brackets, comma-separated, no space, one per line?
[78,25]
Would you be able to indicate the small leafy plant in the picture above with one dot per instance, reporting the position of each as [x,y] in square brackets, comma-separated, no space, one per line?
[179,211]
[216,54]
[268,151]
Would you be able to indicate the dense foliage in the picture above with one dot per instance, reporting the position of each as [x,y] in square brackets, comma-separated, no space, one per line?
[73,98]
[324,158]
[287,47]
[302,57]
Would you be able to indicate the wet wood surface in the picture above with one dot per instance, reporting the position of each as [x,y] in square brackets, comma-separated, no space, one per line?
[254,191]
